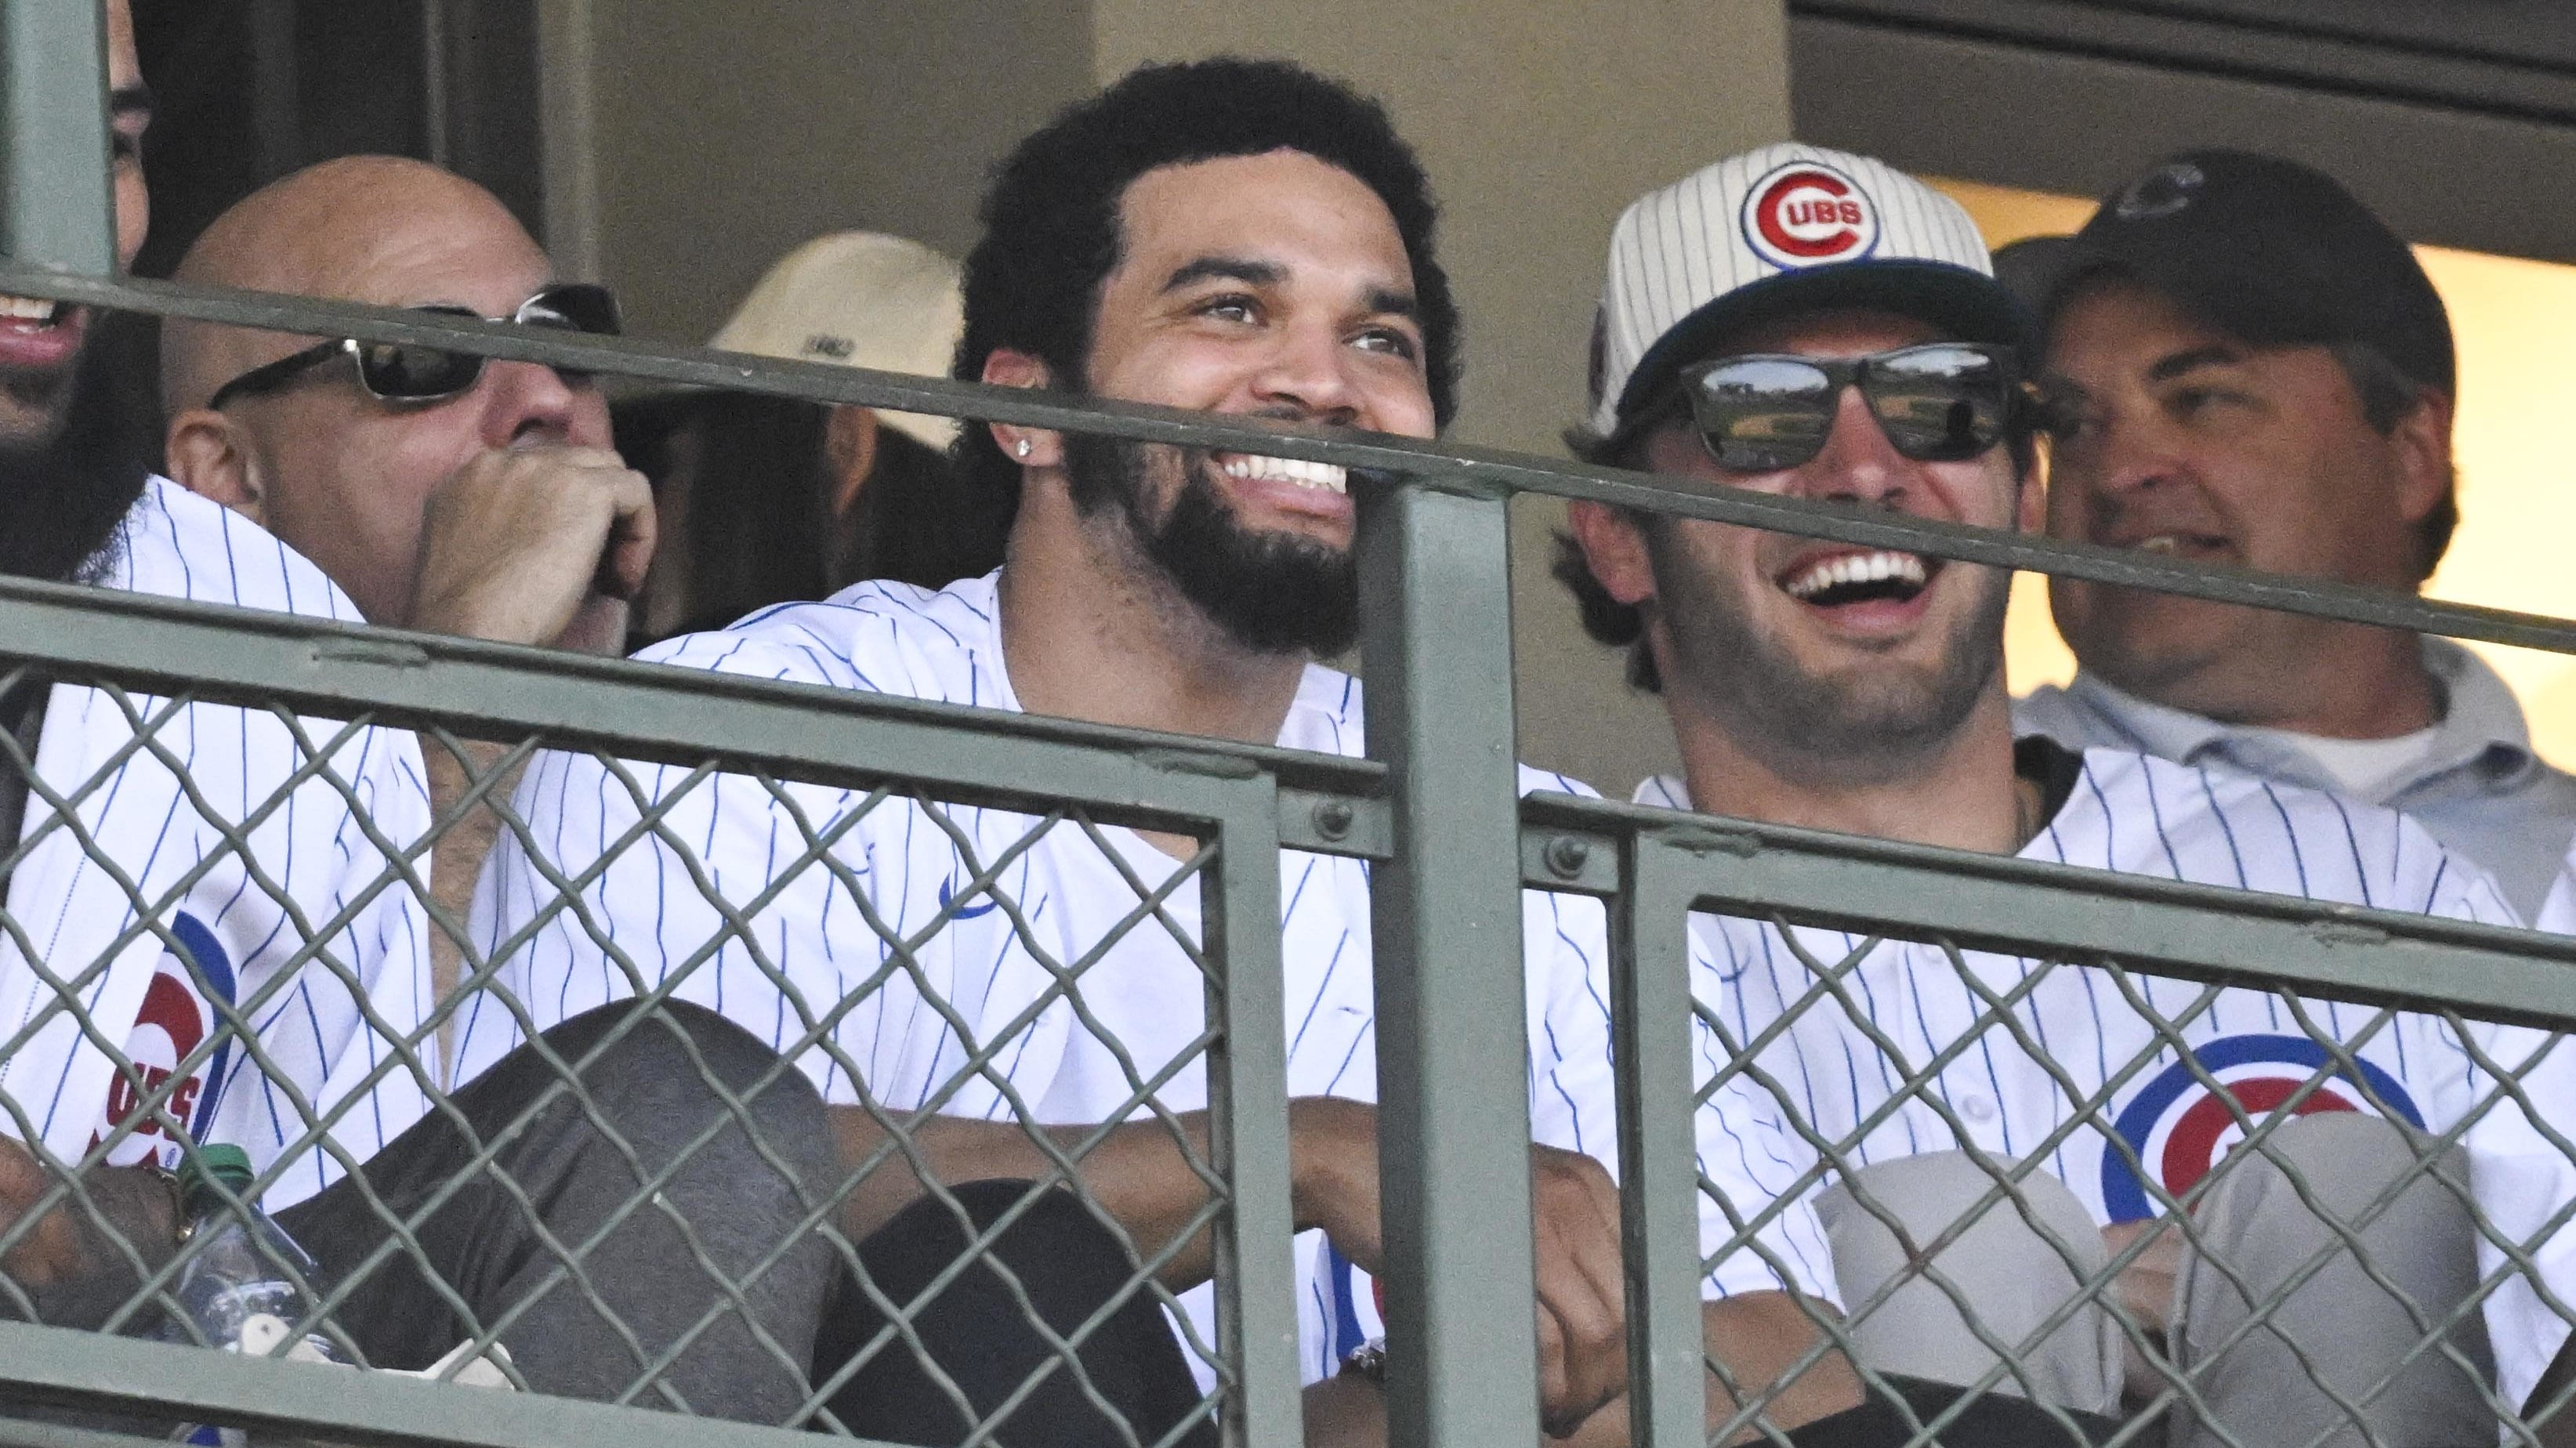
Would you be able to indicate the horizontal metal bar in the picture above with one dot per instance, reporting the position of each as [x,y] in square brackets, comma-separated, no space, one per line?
[27,1433]
[96,1370]
[1451,466]
[1997,902]
[648,711]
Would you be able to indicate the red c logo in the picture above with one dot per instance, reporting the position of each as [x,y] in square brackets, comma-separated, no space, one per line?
[1805,214]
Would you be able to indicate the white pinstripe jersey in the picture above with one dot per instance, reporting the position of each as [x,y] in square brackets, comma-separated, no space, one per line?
[2558,911]
[1145,995]
[238,916]
[2147,816]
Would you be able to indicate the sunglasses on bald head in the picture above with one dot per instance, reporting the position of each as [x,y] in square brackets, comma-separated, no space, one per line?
[411,373]
[1941,402]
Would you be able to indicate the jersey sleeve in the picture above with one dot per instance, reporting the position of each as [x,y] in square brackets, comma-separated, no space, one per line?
[1758,1233]
[1565,951]
[342,1038]
[2522,1150]
[779,906]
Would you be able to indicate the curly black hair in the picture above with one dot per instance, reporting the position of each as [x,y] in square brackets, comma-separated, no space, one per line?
[1052,214]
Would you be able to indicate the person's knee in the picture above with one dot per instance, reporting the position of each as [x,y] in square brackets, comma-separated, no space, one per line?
[2343,1245]
[674,1068]
[1940,1253]
[2336,1184]
[1052,1235]
[2341,1155]
[2017,1224]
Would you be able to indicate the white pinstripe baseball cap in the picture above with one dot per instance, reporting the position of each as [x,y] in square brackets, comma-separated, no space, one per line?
[1780,229]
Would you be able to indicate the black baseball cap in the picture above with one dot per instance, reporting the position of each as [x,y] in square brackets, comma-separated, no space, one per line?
[2269,251]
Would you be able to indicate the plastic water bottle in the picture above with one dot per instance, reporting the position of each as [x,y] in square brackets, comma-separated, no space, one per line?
[235,1290]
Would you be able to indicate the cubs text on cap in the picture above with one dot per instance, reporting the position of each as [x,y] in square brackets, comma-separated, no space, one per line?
[1780,229]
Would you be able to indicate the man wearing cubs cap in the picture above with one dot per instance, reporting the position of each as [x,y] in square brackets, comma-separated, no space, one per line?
[2251,369]
[2020,1155]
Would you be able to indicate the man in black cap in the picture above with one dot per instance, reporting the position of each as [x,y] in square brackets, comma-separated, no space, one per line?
[2251,369]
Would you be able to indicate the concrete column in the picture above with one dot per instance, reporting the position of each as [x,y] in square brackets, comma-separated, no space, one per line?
[721,135]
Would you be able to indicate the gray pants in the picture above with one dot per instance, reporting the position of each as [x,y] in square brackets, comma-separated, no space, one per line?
[712,1294]
[692,1293]
[2326,1366]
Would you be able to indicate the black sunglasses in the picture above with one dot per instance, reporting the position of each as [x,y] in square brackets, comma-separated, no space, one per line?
[1941,402]
[403,372]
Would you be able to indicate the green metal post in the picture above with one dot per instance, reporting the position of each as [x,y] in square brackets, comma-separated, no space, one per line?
[1658,1163]
[59,207]
[1248,1087]
[1453,1084]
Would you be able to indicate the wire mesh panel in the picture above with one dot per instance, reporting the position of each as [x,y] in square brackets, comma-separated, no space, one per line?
[818,1132]
[2154,1198]
[773,1034]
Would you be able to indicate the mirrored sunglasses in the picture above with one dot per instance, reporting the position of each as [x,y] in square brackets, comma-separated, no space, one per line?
[1937,402]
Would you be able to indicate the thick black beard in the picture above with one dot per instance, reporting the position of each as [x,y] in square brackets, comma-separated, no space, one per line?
[1270,593]
[1805,726]
[61,501]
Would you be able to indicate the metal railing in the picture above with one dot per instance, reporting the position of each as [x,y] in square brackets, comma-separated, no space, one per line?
[1433,809]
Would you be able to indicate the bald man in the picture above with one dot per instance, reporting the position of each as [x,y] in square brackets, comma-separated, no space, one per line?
[443,492]
[491,509]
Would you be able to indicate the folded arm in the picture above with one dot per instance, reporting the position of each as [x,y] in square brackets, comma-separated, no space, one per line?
[1139,1175]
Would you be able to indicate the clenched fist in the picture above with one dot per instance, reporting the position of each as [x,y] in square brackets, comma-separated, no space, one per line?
[1574,1206]
[536,545]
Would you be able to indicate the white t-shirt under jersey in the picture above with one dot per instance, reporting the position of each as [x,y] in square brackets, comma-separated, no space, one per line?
[2147,816]
[813,975]
[205,922]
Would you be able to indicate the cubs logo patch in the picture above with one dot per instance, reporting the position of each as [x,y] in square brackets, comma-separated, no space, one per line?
[1809,214]
[177,1016]
[2180,1130]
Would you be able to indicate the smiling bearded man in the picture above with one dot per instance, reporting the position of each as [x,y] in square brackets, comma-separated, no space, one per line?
[1874,362]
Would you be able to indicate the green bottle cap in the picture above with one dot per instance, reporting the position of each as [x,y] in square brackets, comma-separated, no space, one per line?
[219,1162]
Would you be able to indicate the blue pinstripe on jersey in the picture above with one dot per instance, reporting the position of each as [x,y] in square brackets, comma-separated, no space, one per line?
[2147,816]
[1144,995]
[310,1027]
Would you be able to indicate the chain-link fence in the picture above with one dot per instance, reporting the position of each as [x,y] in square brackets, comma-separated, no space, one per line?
[699,1109]
[2350,1124]
[218,922]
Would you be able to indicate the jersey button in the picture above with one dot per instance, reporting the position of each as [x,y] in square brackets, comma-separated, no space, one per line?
[1977,1108]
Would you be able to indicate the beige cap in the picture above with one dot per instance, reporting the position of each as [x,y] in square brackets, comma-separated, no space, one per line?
[862,299]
